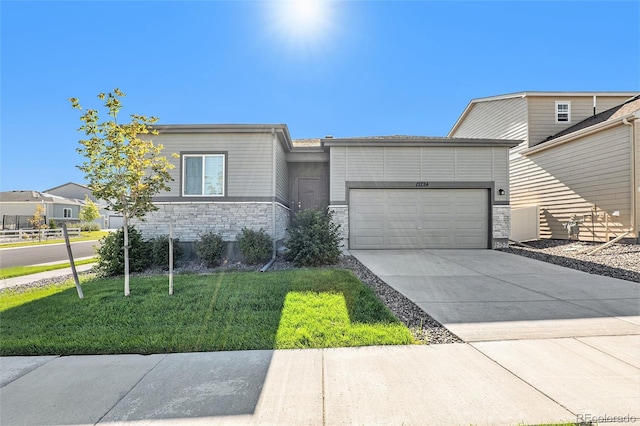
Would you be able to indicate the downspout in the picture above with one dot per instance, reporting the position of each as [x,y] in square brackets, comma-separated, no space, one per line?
[274,187]
[634,186]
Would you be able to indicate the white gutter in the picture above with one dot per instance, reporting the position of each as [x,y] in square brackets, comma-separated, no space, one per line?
[634,182]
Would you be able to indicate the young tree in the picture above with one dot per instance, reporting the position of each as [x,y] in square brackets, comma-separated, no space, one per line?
[38,220]
[89,212]
[122,167]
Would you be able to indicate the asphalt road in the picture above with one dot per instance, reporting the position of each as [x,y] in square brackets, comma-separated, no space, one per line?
[35,255]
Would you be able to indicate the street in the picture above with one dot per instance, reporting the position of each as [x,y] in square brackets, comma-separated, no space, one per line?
[35,255]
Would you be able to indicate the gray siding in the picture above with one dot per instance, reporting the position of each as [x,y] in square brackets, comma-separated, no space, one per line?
[338,174]
[542,113]
[58,211]
[72,191]
[498,119]
[249,164]
[445,164]
[282,174]
[22,209]
[572,178]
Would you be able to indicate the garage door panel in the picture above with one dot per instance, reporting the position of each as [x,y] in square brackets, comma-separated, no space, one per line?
[371,209]
[435,209]
[368,226]
[408,218]
[470,225]
[400,225]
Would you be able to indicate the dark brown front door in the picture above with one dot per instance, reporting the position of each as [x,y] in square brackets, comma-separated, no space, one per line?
[309,194]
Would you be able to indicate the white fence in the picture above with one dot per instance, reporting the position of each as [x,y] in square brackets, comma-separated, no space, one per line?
[525,223]
[19,235]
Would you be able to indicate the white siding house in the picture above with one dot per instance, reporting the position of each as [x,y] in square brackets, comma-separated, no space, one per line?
[578,159]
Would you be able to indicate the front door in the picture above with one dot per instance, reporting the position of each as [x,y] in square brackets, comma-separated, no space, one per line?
[309,194]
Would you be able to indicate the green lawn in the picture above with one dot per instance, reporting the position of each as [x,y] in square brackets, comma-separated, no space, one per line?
[312,308]
[85,236]
[19,271]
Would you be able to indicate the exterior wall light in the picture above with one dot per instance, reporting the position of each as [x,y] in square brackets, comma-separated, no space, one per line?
[500,191]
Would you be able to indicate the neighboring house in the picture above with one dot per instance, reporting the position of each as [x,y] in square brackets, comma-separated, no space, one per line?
[73,190]
[17,207]
[77,191]
[578,159]
[386,192]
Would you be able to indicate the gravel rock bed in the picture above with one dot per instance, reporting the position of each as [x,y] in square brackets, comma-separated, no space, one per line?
[617,261]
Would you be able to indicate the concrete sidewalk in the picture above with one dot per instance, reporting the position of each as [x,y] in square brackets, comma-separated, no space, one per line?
[31,278]
[494,383]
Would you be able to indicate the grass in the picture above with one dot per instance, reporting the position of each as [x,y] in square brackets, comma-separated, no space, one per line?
[85,236]
[18,271]
[225,311]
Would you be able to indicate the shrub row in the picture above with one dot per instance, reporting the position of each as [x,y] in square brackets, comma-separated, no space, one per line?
[254,245]
[84,226]
[313,241]
[142,254]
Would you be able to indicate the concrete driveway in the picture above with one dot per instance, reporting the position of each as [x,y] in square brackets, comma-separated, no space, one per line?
[487,295]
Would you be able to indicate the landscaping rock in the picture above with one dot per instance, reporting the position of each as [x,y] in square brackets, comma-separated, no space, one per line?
[617,261]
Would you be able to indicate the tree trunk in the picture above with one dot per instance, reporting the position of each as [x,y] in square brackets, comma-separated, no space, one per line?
[126,255]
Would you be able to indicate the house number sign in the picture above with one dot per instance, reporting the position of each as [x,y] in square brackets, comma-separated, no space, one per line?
[422,184]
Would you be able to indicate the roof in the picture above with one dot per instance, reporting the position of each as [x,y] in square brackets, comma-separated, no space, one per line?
[529,94]
[35,197]
[281,130]
[403,140]
[67,184]
[612,114]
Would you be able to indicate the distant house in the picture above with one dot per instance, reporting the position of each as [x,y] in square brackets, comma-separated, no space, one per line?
[17,207]
[391,192]
[579,160]
[72,190]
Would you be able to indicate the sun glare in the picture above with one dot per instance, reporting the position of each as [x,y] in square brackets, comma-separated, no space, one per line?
[305,14]
[303,24]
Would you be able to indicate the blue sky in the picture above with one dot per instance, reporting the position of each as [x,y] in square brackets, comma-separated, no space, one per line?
[350,68]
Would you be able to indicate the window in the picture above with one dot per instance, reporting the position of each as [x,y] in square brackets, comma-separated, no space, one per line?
[66,212]
[563,112]
[203,175]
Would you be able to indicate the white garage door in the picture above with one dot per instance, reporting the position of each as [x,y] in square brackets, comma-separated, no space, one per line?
[116,222]
[418,218]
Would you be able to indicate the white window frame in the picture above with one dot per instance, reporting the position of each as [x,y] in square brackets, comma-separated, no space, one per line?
[66,210]
[558,112]
[203,156]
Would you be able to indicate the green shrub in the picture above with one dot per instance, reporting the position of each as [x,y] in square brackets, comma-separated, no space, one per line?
[210,248]
[159,251]
[255,246]
[111,253]
[52,224]
[314,240]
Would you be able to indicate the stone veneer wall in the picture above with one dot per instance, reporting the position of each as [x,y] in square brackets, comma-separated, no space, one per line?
[341,217]
[190,220]
[501,226]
